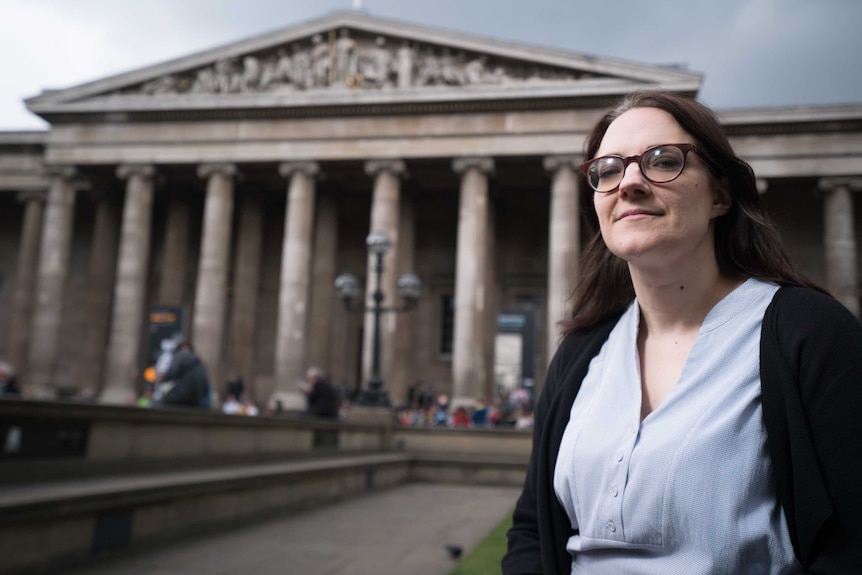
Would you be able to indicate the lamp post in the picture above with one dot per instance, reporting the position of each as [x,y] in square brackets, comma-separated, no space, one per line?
[347,286]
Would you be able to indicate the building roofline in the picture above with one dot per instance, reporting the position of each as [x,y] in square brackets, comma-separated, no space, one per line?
[650,74]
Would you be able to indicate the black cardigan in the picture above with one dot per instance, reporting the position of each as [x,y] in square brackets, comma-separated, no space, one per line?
[811,383]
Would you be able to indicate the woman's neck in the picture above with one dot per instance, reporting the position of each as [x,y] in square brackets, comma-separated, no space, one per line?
[679,299]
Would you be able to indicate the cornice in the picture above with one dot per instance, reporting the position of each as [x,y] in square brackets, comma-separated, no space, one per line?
[792,120]
[452,106]
[20,141]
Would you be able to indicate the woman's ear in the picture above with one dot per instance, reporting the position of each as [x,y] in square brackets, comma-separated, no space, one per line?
[721,201]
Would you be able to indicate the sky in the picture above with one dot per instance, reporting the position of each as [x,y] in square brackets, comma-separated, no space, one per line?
[752,53]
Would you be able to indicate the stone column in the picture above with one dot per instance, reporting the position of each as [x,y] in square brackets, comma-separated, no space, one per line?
[563,243]
[243,343]
[211,295]
[469,369]
[172,281]
[25,281]
[493,295]
[402,362]
[122,366]
[840,240]
[103,272]
[293,299]
[53,267]
[385,215]
[323,298]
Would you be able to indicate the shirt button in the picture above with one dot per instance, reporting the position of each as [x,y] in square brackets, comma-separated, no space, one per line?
[615,491]
[619,456]
[611,527]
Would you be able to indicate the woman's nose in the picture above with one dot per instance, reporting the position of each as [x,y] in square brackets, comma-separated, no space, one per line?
[633,180]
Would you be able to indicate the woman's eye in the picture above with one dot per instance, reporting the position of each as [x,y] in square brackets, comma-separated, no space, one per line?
[608,170]
[664,161]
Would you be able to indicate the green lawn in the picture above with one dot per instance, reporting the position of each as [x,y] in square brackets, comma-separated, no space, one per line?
[485,558]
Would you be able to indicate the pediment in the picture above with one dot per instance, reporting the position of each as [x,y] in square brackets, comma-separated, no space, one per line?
[353,58]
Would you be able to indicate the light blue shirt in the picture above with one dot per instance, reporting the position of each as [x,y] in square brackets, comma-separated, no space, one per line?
[689,490]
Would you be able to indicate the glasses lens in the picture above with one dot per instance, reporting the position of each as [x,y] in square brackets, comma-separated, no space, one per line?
[605,173]
[662,164]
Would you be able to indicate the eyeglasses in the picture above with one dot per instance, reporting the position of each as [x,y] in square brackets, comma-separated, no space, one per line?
[659,164]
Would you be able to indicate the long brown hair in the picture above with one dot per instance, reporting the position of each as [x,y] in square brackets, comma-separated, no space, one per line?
[747,245]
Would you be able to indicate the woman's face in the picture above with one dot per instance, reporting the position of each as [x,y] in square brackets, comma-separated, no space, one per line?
[657,224]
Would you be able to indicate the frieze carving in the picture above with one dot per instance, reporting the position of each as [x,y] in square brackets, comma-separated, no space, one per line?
[345,59]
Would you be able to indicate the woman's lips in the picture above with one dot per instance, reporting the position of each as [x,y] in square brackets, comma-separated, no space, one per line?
[636,214]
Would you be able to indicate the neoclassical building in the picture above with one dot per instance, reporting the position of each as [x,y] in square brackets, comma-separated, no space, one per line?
[229,188]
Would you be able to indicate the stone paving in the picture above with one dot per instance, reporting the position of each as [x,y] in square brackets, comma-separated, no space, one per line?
[403,530]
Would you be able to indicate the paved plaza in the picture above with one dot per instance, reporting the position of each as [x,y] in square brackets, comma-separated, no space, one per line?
[403,530]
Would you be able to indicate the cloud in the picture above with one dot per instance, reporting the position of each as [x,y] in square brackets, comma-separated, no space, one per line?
[751,52]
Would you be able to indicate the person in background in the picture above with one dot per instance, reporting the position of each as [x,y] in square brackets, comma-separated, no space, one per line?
[701,414]
[524,419]
[8,384]
[191,383]
[480,415]
[231,405]
[146,397]
[235,386]
[323,399]
[440,417]
[461,418]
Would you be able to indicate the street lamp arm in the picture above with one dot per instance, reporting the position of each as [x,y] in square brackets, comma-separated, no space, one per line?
[348,289]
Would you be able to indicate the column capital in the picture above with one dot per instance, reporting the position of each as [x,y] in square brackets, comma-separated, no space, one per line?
[554,163]
[483,164]
[64,172]
[831,184]
[287,169]
[69,174]
[394,167]
[28,196]
[223,168]
[125,171]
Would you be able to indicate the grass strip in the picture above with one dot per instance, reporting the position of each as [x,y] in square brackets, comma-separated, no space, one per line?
[485,558]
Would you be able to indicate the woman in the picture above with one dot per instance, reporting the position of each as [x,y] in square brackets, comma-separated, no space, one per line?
[701,415]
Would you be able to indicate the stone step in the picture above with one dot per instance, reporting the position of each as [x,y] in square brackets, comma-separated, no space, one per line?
[76,521]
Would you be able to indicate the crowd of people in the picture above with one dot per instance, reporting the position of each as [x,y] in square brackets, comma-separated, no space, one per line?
[424,409]
[179,378]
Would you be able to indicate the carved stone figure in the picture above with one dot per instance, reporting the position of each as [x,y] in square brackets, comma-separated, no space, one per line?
[405,65]
[451,72]
[283,68]
[268,73]
[301,72]
[474,70]
[429,69]
[345,56]
[320,61]
[204,82]
[251,72]
[222,71]
[376,65]
[162,85]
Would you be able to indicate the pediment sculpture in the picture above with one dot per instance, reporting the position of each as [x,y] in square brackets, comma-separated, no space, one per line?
[345,59]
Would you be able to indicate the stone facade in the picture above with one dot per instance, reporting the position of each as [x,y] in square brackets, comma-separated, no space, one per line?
[238,182]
